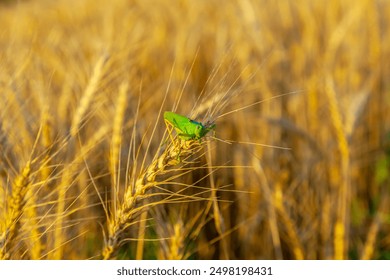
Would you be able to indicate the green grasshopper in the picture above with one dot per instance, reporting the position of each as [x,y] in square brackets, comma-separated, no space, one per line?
[186,128]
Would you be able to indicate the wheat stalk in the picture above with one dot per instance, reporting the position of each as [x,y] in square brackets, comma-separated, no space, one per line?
[178,228]
[117,130]
[177,242]
[15,211]
[88,95]
[122,217]
[340,234]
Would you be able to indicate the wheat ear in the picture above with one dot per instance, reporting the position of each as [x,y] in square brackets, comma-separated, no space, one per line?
[17,202]
[122,217]
[88,95]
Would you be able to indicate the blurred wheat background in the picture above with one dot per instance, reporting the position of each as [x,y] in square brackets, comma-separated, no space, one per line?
[88,169]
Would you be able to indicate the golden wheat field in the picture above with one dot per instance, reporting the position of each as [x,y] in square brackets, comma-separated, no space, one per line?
[297,166]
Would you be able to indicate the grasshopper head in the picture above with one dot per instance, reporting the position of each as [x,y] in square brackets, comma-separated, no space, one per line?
[202,130]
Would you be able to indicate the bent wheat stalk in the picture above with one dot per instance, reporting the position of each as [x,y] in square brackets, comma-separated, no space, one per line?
[122,217]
